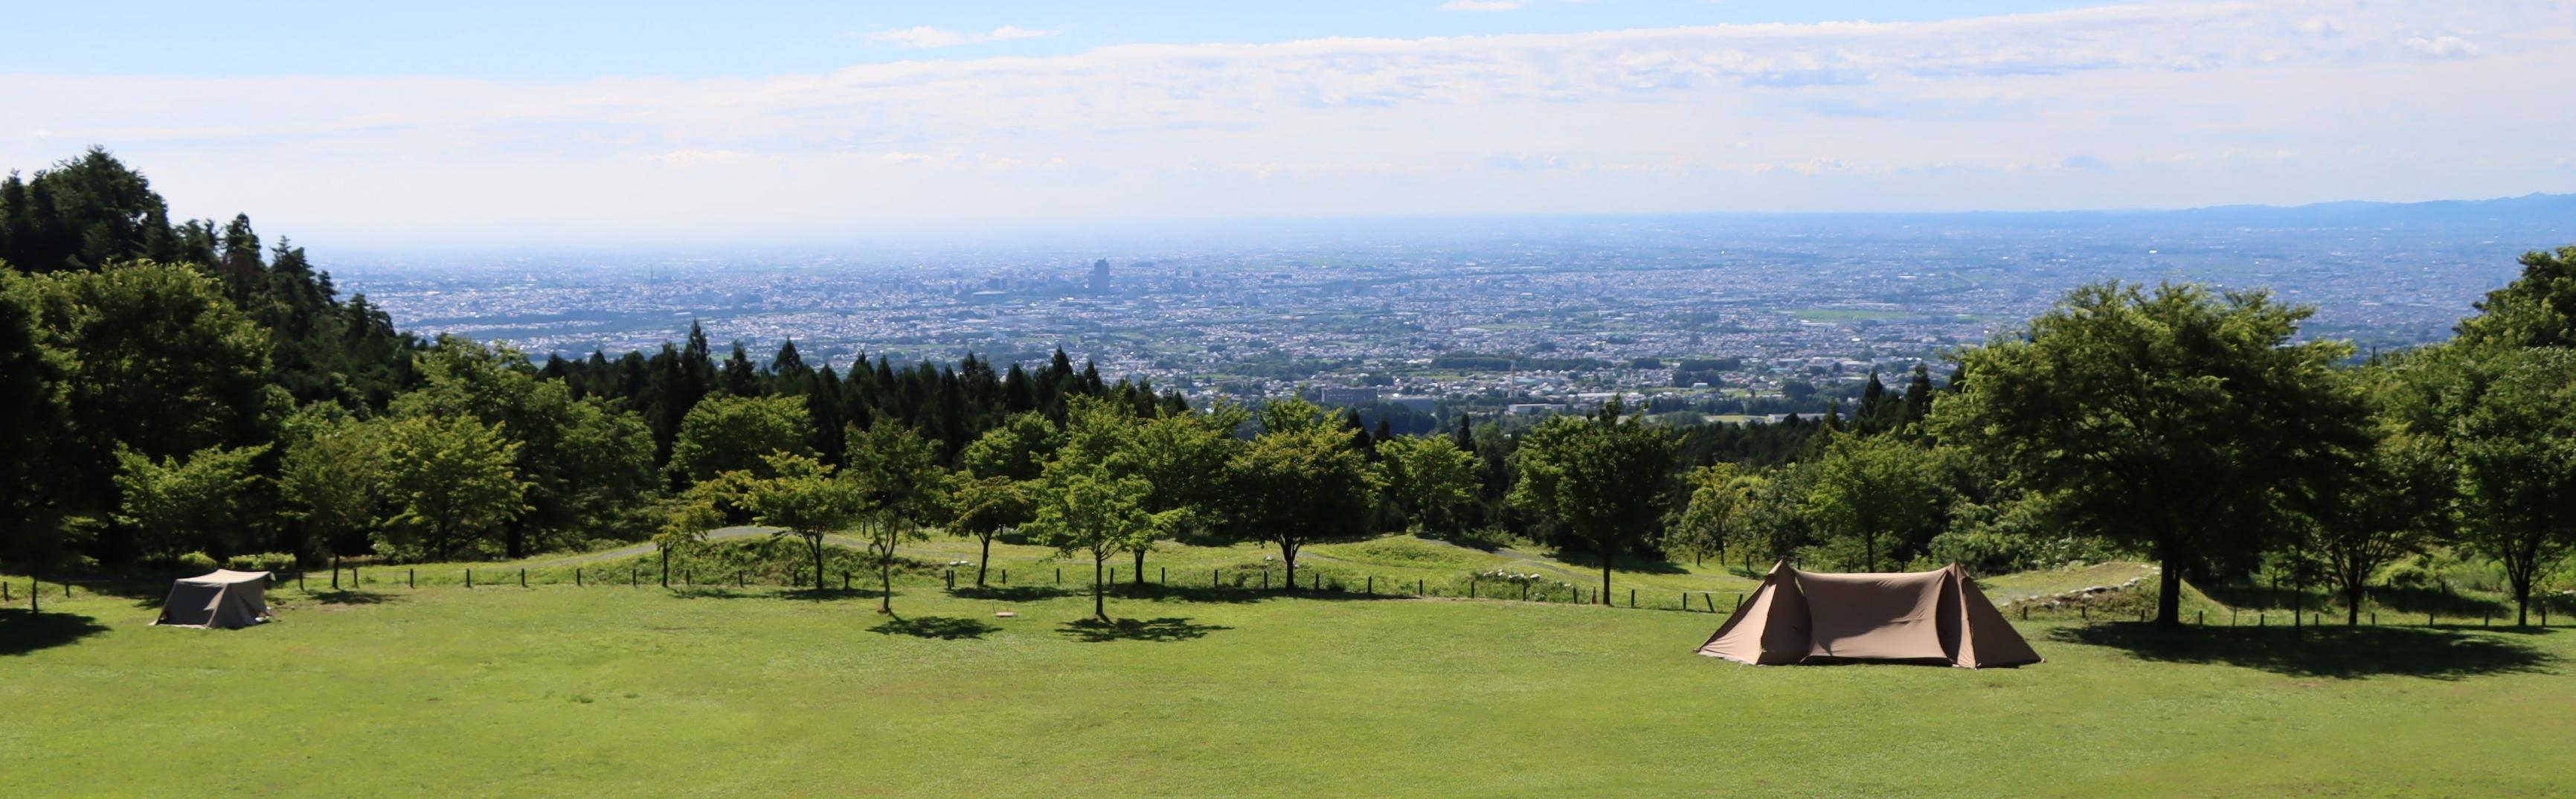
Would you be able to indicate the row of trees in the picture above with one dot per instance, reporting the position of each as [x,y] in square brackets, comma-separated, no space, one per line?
[2195,427]
[180,388]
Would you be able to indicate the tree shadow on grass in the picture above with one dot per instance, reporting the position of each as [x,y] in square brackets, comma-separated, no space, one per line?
[1230,594]
[353,597]
[945,628]
[830,594]
[805,594]
[2337,652]
[22,632]
[1163,629]
[1010,593]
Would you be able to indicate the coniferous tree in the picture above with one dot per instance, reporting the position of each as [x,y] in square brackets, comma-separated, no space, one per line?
[738,377]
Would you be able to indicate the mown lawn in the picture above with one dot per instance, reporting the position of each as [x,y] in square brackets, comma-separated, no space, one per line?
[617,691]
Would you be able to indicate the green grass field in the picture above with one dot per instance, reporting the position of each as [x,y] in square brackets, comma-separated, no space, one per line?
[616,691]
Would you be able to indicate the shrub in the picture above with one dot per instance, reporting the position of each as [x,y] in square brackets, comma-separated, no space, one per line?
[197,561]
[262,562]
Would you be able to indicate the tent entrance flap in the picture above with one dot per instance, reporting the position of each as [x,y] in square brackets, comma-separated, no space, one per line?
[1804,617]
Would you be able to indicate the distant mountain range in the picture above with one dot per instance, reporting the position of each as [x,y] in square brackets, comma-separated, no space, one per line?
[2542,208]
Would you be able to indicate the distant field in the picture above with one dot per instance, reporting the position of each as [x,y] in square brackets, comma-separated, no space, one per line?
[620,691]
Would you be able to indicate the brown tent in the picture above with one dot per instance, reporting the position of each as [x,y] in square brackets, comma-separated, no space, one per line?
[220,599]
[1935,617]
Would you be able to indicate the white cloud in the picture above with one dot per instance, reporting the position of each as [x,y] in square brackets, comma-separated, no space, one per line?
[923,37]
[1480,5]
[2151,105]
[2442,46]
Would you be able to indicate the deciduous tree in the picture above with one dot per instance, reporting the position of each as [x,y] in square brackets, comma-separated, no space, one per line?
[1431,479]
[451,484]
[901,487]
[1085,509]
[1300,481]
[1607,477]
[2173,420]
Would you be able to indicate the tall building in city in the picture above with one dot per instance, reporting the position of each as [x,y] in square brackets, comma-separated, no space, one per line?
[1100,276]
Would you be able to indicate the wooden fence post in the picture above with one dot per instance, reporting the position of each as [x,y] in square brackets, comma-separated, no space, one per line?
[576,577]
[469,578]
[1632,599]
[523,577]
[1162,575]
[1059,575]
[411,578]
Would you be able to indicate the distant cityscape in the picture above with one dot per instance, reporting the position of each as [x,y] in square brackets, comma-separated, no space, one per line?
[1718,314]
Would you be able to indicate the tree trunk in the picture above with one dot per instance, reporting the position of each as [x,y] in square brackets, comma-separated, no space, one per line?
[1099,607]
[1605,580]
[817,544]
[1288,555]
[885,580]
[666,564]
[1140,567]
[2352,605]
[2169,590]
[984,561]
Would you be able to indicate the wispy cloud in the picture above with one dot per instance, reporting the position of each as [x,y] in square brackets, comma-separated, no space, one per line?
[924,37]
[2136,105]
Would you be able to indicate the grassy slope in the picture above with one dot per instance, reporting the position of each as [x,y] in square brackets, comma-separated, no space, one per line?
[559,691]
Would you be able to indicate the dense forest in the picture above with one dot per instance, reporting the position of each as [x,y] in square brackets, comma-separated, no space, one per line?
[182,394]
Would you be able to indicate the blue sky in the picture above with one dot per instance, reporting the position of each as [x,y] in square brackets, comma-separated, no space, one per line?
[580,40]
[380,124]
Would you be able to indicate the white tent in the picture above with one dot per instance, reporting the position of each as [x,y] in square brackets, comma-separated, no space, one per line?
[220,599]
